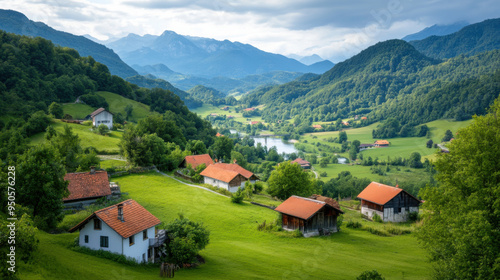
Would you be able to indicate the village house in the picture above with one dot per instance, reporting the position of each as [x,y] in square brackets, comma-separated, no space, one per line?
[219,135]
[316,215]
[125,228]
[86,188]
[227,176]
[381,143]
[196,160]
[365,146]
[101,116]
[392,204]
[303,163]
[249,109]
[317,126]
[254,122]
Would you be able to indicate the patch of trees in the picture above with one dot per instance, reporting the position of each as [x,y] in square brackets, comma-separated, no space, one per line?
[462,214]
[392,128]
[94,100]
[290,179]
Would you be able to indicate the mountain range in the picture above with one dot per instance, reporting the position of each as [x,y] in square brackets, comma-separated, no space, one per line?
[18,23]
[436,30]
[207,58]
[394,78]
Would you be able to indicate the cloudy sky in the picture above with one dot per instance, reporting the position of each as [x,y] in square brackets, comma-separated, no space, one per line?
[333,29]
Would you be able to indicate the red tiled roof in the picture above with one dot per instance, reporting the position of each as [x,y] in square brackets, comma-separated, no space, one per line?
[136,218]
[301,161]
[254,122]
[197,160]
[300,207]
[379,193]
[227,172]
[317,126]
[381,142]
[330,201]
[249,109]
[85,185]
[219,173]
[97,112]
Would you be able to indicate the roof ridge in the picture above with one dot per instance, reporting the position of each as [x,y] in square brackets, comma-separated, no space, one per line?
[310,199]
[109,207]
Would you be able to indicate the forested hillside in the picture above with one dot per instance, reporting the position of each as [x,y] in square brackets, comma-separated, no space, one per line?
[378,83]
[34,73]
[15,22]
[470,40]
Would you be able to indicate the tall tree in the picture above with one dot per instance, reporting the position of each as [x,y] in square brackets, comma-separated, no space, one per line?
[41,185]
[222,148]
[56,110]
[289,179]
[461,227]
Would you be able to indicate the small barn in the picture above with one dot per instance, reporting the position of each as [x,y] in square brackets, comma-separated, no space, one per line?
[313,216]
[101,116]
[392,204]
[196,160]
[303,163]
[86,188]
[227,176]
[125,228]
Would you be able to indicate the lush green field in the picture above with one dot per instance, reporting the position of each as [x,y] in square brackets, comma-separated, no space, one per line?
[77,110]
[208,109]
[117,104]
[236,250]
[104,144]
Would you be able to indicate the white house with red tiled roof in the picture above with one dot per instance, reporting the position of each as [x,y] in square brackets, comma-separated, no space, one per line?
[86,187]
[312,216]
[126,228]
[392,204]
[101,116]
[227,176]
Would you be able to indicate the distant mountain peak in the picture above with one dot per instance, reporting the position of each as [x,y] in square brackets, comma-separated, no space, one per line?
[436,30]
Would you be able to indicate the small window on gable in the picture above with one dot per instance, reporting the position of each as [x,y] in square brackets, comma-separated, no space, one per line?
[145,234]
[131,240]
[97,224]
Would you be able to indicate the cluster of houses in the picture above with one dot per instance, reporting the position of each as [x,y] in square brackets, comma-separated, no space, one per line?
[129,229]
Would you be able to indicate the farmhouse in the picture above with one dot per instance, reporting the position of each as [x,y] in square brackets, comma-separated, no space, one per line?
[227,176]
[196,160]
[392,204]
[125,228]
[303,163]
[381,143]
[312,216]
[86,187]
[317,126]
[101,116]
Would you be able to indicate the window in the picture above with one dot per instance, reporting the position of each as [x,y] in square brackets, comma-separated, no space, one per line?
[145,234]
[86,239]
[104,242]
[131,240]
[97,224]
[144,257]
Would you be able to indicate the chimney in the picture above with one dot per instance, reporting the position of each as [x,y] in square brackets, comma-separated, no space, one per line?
[92,170]
[120,212]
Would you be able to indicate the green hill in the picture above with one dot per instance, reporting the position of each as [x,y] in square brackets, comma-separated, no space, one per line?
[470,40]
[117,104]
[384,81]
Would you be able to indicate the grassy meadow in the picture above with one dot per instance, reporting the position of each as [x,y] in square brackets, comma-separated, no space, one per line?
[104,144]
[117,104]
[77,110]
[237,250]
[208,109]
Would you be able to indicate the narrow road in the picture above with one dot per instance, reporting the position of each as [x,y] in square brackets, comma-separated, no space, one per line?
[191,185]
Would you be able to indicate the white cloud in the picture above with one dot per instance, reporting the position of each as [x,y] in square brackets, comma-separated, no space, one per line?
[331,29]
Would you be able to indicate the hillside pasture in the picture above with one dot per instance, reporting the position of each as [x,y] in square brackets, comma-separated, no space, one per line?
[237,250]
[117,104]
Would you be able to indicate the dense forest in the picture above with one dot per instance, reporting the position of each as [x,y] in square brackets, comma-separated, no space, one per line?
[34,73]
[384,81]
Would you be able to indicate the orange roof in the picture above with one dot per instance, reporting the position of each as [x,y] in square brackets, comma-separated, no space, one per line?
[227,172]
[364,118]
[197,160]
[86,185]
[301,207]
[317,126]
[136,218]
[249,109]
[301,161]
[254,122]
[382,142]
[330,201]
[97,112]
[219,135]
[379,193]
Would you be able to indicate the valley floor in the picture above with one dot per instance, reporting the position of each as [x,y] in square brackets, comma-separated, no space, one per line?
[237,250]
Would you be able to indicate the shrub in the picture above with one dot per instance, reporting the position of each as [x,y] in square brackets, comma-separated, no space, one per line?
[353,224]
[370,275]
[87,123]
[297,233]
[237,197]
[376,231]
[340,221]
[258,187]
[396,230]
[323,174]
[102,129]
[376,218]
[413,216]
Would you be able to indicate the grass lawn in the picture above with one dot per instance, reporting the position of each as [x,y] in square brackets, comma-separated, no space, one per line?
[208,109]
[112,163]
[77,110]
[117,104]
[237,250]
[104,144]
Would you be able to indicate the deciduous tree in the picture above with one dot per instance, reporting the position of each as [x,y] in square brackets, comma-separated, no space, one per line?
[289,179]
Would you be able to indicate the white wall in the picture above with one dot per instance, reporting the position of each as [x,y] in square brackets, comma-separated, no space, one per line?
[388,215]
[115,240]
[105,118]
[217,183]
[140,246]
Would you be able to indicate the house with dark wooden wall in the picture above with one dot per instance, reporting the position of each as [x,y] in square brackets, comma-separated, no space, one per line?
[392,204]
[313,216]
